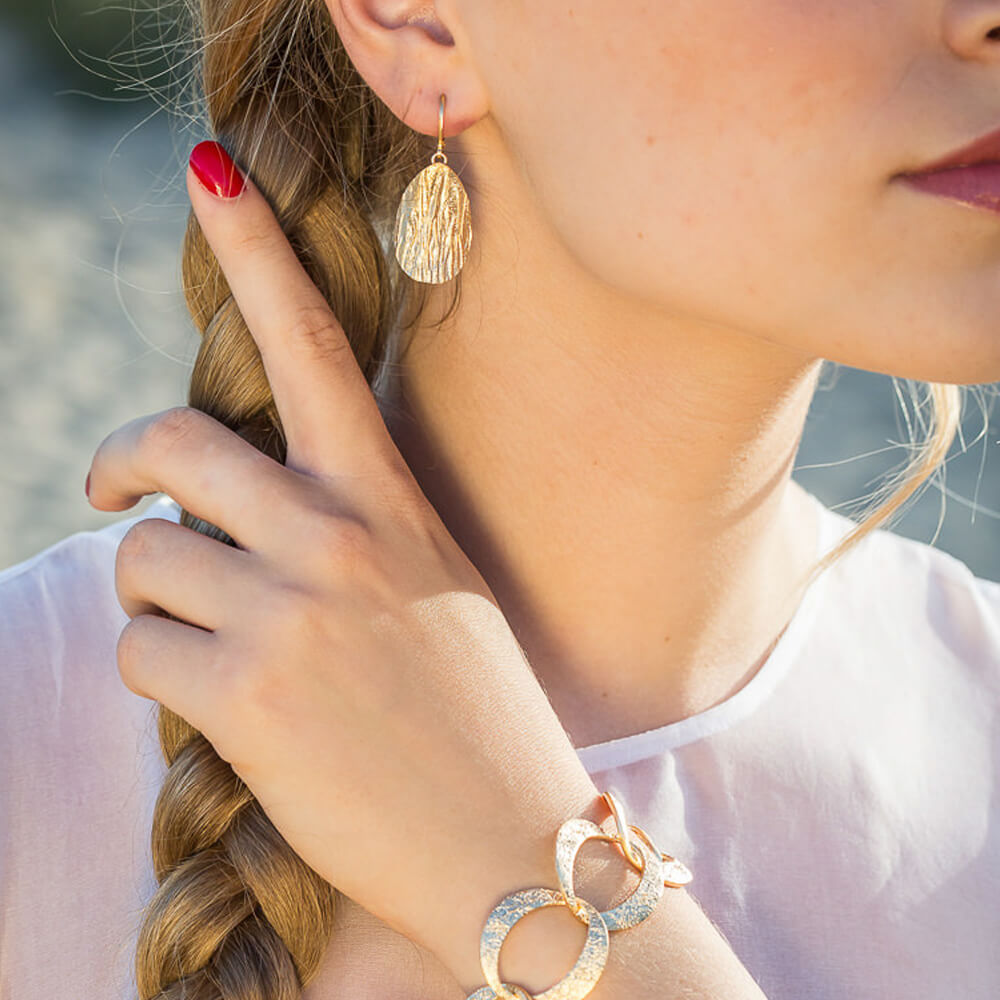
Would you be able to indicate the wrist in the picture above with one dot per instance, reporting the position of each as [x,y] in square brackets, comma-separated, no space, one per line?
[544,944]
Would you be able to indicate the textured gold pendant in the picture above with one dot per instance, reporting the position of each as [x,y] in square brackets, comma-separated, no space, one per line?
[433,230]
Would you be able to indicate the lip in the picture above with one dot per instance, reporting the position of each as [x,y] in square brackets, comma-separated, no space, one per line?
[985,149]
[977,185]
[970,175]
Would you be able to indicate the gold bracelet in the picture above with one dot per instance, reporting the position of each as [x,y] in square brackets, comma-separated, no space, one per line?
[658,871]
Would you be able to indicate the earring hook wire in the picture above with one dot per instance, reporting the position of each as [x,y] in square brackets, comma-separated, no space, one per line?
[439,155]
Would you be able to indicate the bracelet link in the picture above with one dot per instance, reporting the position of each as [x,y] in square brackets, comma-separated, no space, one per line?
[658,871]
[579,981]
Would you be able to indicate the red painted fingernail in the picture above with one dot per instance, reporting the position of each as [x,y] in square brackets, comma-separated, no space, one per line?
[86,488]
[215,169]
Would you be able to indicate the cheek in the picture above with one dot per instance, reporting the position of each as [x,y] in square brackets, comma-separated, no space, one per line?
[696,154]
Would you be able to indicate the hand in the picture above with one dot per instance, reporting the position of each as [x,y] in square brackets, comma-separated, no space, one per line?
[346,659]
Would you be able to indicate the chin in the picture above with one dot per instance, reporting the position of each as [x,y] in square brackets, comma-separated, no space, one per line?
[949,365]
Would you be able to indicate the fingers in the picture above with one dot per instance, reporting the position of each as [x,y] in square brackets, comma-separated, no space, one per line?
[163,566]
[207,468]
[331,420]
[169,662]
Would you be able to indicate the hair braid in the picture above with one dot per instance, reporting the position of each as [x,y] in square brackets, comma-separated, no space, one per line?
[237,914]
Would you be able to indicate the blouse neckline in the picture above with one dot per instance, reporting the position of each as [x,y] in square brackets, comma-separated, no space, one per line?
[637,746]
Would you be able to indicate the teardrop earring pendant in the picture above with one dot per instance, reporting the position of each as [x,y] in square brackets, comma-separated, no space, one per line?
[433,229]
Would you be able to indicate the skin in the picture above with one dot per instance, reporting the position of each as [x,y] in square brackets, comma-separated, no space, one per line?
[678,211]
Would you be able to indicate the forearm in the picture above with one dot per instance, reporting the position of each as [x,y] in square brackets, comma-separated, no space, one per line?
[675,953]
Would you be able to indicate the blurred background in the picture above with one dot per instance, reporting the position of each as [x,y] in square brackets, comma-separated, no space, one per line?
[93,329]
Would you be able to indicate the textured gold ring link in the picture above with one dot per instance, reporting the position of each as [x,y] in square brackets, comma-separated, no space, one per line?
[639,905]
[486,993]
[578,982]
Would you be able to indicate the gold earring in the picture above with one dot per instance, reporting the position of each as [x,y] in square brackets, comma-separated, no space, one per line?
[433,223]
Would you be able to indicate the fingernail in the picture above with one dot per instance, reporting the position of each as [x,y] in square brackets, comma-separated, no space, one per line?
[86,488]
[215,169]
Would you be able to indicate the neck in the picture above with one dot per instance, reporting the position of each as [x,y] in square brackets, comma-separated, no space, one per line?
[620,476]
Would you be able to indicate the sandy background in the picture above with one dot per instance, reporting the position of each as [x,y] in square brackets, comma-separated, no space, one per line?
[93,330]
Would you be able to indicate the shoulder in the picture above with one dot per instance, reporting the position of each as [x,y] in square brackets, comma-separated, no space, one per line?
[81,546]
[81,770]
[58,586]
[902,595]
[59,623]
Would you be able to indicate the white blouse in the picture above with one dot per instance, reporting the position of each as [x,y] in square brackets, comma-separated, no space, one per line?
[840,812]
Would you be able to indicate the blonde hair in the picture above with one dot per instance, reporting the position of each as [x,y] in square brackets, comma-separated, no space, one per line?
[237,914]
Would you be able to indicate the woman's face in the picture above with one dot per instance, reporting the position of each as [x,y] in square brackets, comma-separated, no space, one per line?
[733,162]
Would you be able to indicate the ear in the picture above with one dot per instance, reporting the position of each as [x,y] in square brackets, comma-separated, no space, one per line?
[409,56]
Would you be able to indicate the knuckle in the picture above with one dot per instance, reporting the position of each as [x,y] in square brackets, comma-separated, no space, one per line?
[352,560]
[299,620]
[402,495]
[314,331]
[254,676]
[246,684]
[254,241]
[137,548]
[131,647]
[133,546]
[347,539]
[290,609]
[133,550]
[169,428]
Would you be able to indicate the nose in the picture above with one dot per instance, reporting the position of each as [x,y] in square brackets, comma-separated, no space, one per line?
[972,29]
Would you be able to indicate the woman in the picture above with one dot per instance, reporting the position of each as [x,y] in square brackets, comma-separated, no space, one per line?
[559,551]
